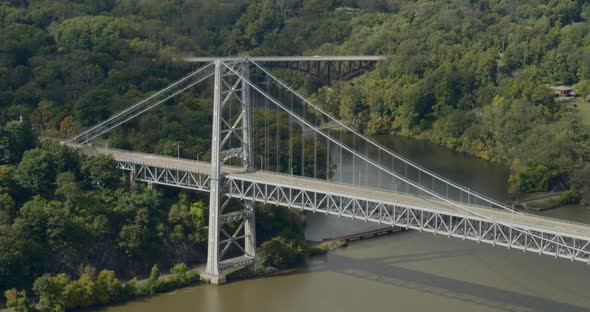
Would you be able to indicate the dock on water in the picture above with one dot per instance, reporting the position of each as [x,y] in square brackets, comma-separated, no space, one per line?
[364,235]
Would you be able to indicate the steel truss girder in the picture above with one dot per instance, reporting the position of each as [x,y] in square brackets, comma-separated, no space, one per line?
[327,71]
[460,226]
[465,227]
[471,228]
[166,176]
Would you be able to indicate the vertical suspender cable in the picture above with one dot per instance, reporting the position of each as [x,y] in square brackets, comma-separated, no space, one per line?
[278,138]
[380,184]
[406,176]
[367,165]
[229,117]
[315,150]
[340,174]
[291,137]
[266,149]
[328,160]
[303,145]
[353,158]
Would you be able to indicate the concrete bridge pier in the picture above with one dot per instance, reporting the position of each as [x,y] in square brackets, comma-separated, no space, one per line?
[131,177]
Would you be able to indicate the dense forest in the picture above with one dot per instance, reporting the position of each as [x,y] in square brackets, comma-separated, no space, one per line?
[62,212]
[469,75]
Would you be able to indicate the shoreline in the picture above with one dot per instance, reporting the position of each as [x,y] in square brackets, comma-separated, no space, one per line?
[246,273]
[316,248]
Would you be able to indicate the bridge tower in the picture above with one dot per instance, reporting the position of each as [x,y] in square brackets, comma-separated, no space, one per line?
[230,90]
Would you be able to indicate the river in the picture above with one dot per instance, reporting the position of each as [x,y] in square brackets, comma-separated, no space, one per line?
[408,271]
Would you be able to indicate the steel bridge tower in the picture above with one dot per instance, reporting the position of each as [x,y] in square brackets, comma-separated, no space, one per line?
[228,88]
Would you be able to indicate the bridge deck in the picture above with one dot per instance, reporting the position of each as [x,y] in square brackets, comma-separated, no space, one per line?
[207,59]
[524,221]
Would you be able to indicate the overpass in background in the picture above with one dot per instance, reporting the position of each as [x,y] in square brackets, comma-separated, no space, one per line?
[326,69]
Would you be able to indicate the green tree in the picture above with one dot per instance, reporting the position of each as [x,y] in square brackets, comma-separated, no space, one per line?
[349,100]
[583,88]
[100,171]
[7,208]
[279,252]
[130,289]
[92,107]
[179,218]
[15,257]
[67,186]
[198,213]
[153,284]
[80,293]
[18,300]
[50,232]
[36,172]
[20,138]
[21,41]
[258,23]
[555,69]
[65,159]
[108,287]
[139,212]
[50,290]
[179,274]
[531,178]
[278,221]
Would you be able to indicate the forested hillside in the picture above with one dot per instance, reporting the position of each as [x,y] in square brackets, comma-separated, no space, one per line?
[470,75]
[474,76]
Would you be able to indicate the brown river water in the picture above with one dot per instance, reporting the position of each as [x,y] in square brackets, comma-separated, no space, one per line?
[407,271]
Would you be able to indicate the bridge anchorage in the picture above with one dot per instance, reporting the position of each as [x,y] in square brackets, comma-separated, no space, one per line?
[309,160]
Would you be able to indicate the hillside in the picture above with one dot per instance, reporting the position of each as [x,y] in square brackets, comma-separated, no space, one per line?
[469,75]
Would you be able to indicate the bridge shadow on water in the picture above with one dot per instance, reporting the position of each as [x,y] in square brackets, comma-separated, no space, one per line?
[386,270]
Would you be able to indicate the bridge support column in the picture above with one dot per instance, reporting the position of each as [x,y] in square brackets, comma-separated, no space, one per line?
[248,161]
[212,273]
[132,176]
[250,231]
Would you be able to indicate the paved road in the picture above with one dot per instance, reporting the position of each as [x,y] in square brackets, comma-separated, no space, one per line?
[520,220]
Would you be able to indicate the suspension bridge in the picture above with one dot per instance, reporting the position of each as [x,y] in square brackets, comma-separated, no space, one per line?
[272,145]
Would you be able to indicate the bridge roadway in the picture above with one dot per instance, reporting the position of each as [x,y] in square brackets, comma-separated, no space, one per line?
[555,233]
